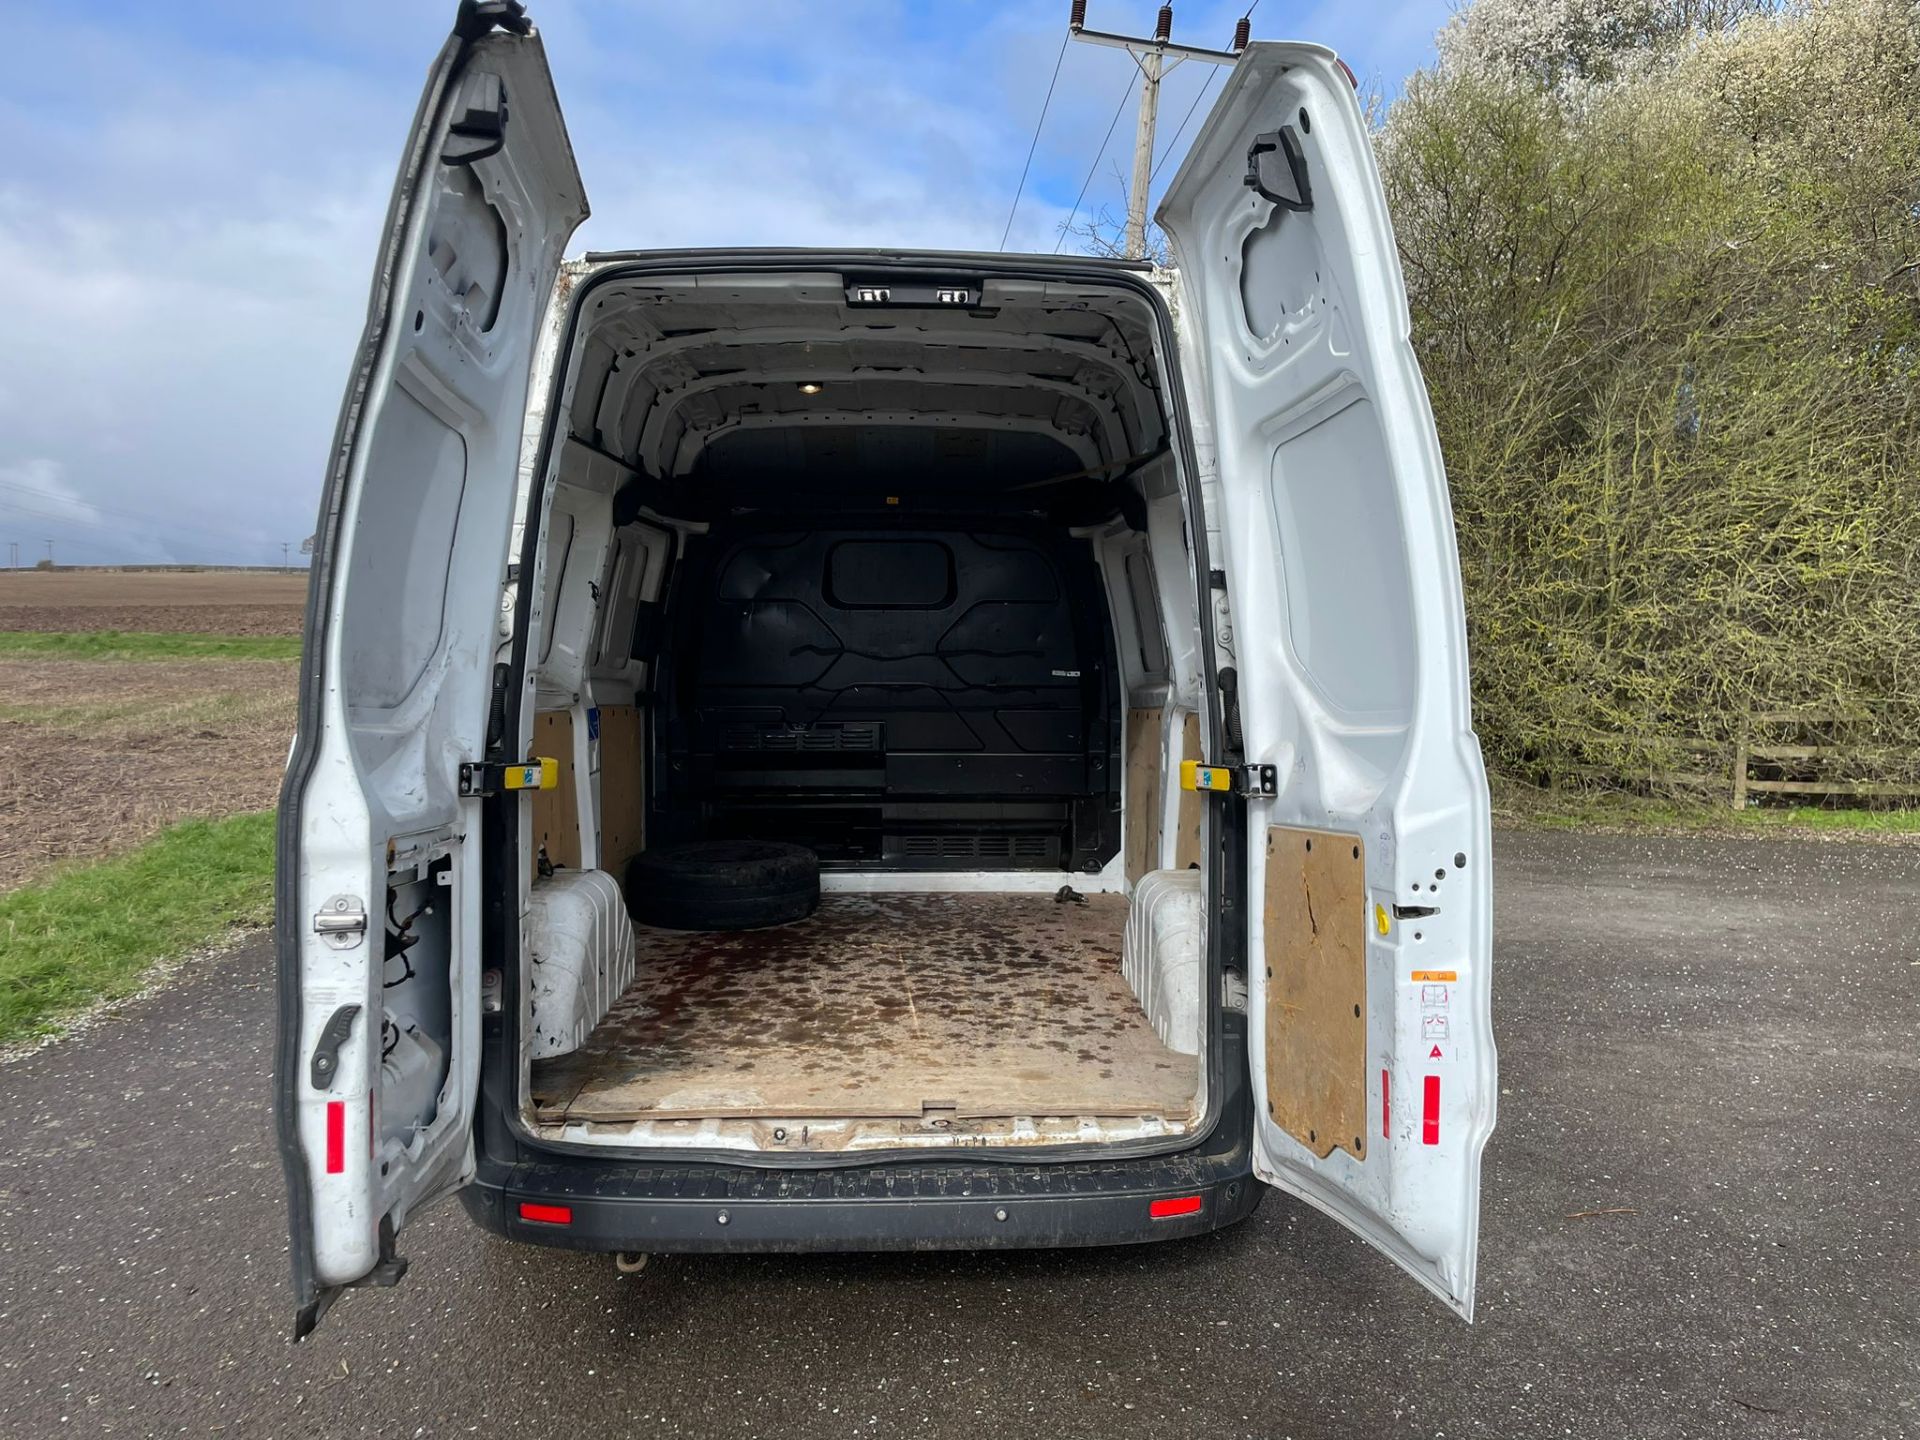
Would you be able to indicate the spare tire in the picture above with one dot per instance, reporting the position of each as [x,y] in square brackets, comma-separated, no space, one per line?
[723,885]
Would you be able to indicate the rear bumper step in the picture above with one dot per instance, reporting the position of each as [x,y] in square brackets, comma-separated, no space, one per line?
[690,1211]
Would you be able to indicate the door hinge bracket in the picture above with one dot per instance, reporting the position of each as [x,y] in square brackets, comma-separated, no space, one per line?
[341,922]
[479,777]
[479,125]
[1233,992]
[391,1268]
[1230,779]
[1277,169]
[325,1065]
[479,17]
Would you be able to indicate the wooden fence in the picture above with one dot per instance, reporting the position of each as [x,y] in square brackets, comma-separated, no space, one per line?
[1795,754]
[1792,766]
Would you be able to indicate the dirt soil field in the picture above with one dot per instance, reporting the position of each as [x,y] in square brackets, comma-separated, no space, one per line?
[193,602]
[101,755]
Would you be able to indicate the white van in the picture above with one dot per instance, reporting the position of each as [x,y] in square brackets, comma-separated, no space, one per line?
[1091,634]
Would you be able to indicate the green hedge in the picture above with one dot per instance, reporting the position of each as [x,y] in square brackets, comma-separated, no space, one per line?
[1668,305]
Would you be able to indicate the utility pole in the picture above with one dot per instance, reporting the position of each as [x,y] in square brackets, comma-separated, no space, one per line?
[13,554]
[286,562]
[1151,55]
[49,553]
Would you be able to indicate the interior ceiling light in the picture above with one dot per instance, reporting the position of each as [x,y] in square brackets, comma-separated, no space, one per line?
[810,387]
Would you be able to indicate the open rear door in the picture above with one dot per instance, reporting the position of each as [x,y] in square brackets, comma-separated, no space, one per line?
[377,913]
[1368,871]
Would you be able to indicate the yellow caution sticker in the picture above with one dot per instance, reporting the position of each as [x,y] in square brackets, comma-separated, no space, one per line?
[538,774]
[1196,776]
[1442,977]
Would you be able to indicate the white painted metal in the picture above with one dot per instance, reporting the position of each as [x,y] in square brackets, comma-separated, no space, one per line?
[408,639]
[851,1135]
[580,941]
[579,532]
[692,442]
[1328,510]
[1111,880]
[871,384]
[1166,930]
[662,404]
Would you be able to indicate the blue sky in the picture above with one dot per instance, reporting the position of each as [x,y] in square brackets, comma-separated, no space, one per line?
[190,197]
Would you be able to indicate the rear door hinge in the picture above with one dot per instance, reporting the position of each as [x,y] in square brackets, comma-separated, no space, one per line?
[479,125]
[479,777]
[1230,779]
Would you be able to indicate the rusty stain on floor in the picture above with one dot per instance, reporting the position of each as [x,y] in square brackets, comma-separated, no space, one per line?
[887,1005]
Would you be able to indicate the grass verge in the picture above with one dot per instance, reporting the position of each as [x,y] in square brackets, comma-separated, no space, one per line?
[1522,805]
[95,932]
[136,645]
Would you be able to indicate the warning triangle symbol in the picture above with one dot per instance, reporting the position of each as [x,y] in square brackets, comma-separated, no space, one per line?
[1434,1054]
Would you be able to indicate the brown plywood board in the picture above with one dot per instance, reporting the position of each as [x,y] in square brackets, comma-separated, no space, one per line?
[1186,826]
[880,1006]
[622,787]
[1145,753]
[1316,1012]
[556,812]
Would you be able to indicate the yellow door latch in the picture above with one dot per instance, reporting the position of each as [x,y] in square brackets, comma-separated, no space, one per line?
[540,773]
[1232,779]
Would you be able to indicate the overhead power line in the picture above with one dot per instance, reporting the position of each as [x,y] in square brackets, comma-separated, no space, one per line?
[1205,86]
[89,542]
[1126,94]
[183,525]
[1034,144]
[1155,56]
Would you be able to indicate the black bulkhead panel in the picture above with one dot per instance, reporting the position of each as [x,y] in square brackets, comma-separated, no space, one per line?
[913,698]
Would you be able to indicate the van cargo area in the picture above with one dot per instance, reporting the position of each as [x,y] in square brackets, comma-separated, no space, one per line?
[888,573]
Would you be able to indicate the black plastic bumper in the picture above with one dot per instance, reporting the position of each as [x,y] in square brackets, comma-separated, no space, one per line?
[897,1207]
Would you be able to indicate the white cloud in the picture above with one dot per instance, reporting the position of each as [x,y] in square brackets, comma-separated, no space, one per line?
[189,210]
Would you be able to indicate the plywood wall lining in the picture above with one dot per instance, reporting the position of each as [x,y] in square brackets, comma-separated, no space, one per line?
[622,787]
[1146,771]
[1188,815]
[556,812]
[1316,982]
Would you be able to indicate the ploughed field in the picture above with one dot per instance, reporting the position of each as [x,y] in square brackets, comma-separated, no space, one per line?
[102,752]
[187,602]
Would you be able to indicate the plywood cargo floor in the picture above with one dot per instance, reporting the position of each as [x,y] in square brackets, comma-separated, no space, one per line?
[888,1005]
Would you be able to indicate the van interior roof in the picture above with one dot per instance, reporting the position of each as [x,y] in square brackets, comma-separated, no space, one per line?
[757,389]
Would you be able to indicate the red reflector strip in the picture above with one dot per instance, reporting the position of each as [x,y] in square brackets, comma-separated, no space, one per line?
[336,1136]
[1430,1113]
[1386,1115]
[1167,1209]
[546,1214]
